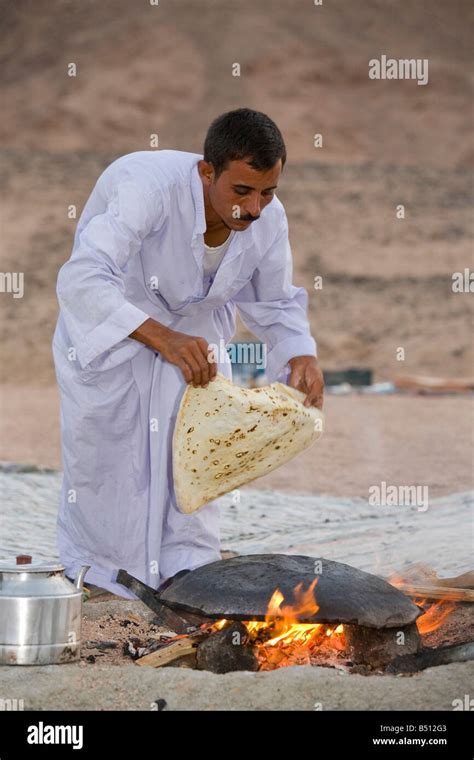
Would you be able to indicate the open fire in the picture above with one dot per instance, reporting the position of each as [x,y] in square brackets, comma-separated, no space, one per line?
[282,640]
[262,612]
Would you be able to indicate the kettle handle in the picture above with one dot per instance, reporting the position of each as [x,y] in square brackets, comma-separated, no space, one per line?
[79,582]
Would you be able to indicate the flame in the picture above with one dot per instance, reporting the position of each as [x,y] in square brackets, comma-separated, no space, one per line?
[434,616]
[281,640]
[437,612]
[284,617]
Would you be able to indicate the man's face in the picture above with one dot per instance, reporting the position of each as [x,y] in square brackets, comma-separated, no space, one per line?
[240,193]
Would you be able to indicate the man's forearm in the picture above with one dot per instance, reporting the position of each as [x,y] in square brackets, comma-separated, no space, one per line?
[152,333]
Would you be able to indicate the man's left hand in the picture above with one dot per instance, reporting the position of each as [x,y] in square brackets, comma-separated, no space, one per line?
[306,376]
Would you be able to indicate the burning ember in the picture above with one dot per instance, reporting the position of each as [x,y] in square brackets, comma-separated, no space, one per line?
[281,640]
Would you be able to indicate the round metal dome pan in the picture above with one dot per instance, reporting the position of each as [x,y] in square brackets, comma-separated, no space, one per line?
[240,588]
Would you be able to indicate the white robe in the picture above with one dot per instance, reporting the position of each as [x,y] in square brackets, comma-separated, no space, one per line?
[138,253]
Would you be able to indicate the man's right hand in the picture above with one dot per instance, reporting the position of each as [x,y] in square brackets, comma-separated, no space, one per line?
[189,352]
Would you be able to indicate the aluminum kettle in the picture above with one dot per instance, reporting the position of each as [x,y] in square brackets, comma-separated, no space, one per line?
[40,613]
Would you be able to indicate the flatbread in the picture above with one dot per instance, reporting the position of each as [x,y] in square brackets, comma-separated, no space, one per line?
[226,436]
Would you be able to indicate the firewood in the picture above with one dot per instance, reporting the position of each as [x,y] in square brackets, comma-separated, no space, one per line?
[168,652]
[437,592]
[421,580]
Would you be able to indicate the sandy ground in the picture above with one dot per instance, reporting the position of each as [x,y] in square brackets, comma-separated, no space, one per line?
[83,686]
[399,439]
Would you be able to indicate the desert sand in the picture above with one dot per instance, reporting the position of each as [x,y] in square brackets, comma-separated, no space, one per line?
[399,439]
[167,70]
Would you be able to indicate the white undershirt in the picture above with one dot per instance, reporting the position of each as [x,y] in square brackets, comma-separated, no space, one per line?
[213,255]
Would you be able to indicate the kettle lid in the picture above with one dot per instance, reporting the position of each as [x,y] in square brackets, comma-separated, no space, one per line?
[25,563]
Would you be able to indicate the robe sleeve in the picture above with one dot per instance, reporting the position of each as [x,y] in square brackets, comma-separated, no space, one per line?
[90,286]
[275,310]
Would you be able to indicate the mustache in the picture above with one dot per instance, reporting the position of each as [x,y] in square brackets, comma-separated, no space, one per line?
[249,218]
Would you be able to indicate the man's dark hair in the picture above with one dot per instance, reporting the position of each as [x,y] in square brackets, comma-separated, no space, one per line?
[241,134]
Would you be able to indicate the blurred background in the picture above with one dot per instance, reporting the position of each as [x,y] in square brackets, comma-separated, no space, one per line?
[166,69]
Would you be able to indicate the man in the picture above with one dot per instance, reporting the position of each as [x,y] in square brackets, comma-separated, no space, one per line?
[138,312]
